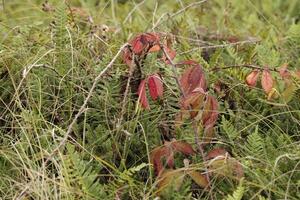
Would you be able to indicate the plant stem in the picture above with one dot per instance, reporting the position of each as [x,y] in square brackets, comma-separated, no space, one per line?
[194,123]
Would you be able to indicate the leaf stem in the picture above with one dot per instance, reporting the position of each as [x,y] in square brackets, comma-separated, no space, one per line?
[194,123]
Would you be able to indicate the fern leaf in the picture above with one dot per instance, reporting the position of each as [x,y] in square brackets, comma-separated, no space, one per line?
[238,193]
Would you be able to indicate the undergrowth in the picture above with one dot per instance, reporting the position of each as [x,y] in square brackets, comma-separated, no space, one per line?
[52,52]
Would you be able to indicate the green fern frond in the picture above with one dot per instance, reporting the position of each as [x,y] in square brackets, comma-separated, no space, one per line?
[229,129]
[126,175]
[238,193]
[255,143]
[82,176]
[233,53]
[61,38]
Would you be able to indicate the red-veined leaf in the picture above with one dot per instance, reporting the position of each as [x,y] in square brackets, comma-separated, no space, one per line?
[251,79]
[142,95]
[267,81]
[155,86]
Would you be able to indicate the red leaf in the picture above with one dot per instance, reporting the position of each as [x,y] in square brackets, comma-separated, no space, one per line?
[209,117]
[138,46]
[284,72]
[167,151]
[251,79]
[152,37]
[267,81]
[142,95]
[193,101]
[215,153]
[193,77]
[143,41]
[183,147]
[158,154]
[155,86]
[210,114]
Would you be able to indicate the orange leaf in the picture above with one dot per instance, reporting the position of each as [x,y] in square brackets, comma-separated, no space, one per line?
[155,86]
[251,79]
[142,95]
[267,81]
[154,48]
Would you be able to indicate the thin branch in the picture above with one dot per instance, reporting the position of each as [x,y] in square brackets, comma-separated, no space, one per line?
[222,45]
[83,106]
[124,102]
[251,66]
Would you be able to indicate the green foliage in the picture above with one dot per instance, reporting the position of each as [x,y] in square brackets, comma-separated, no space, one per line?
[49,60]
[238,193]
[255,143]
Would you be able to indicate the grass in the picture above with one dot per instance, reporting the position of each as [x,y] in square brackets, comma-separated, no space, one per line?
[64,134]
